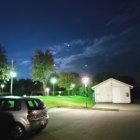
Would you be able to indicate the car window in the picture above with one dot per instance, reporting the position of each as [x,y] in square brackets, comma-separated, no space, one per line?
[10,105]
[30,104]
[40,104]
[7,105]
[35,104]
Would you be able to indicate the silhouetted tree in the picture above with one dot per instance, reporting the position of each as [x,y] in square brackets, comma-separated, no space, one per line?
[100,77]
[136,90]
[127,79]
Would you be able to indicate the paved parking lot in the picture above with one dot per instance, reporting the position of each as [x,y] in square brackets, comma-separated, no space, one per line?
[80,124]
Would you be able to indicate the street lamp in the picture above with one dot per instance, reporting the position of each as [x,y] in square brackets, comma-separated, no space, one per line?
[72,87]
[85,81]
[53,81]
[12,75]
[2,86]
[47,91]
[59,92]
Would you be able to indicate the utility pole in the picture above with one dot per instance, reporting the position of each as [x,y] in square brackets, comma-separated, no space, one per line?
[12,75]
[11,86]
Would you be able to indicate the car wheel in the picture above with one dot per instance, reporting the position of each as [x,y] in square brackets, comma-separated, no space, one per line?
[17,131]
[41,128]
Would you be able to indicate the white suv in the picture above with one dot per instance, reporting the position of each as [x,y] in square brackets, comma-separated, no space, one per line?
[19,115]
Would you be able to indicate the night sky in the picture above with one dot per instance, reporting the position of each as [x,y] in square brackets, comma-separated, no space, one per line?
[85,36]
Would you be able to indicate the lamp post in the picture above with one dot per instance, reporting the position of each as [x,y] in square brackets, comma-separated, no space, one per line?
[85,81]
[12,75]
[53,81]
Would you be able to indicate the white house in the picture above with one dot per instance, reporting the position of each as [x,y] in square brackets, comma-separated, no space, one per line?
[112,90]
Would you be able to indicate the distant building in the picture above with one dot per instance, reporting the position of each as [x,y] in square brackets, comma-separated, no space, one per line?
[112,90]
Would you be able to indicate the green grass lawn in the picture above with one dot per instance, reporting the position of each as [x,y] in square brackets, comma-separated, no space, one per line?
[67,101]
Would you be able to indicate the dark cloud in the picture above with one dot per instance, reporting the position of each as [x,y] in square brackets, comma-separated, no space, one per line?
[118,53]
[128,15]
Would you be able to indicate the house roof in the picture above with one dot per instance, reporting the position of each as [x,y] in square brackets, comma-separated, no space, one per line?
[112,79]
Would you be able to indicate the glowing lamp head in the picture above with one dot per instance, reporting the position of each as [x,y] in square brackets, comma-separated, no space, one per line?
[13,74]
[47,89]
[85,80]
[53,80]
[72,85]
[2,85]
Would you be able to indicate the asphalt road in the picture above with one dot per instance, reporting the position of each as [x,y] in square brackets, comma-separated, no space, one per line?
[79,124]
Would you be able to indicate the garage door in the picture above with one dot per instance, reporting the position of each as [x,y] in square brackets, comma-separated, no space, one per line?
[116,95]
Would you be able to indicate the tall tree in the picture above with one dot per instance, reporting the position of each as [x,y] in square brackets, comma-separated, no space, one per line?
[42,67]
[4,66]
[66,79]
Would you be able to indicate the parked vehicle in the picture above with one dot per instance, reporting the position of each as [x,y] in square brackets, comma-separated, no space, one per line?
[21,115]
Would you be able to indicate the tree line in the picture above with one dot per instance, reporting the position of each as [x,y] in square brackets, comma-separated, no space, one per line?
[69,83]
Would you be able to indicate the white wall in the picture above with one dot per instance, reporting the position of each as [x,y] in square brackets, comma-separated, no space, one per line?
[103,94]
[121,95]
[112,91]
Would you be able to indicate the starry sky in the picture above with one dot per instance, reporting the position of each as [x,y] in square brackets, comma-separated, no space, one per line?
[84,36]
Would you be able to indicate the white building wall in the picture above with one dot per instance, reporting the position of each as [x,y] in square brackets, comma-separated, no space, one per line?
[112,91]
[121,95]
[103,94]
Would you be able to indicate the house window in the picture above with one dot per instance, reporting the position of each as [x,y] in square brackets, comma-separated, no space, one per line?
[127,94]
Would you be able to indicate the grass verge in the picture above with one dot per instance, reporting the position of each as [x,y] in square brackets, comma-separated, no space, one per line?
[67,101]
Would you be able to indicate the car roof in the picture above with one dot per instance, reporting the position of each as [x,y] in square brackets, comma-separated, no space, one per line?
[18,97]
